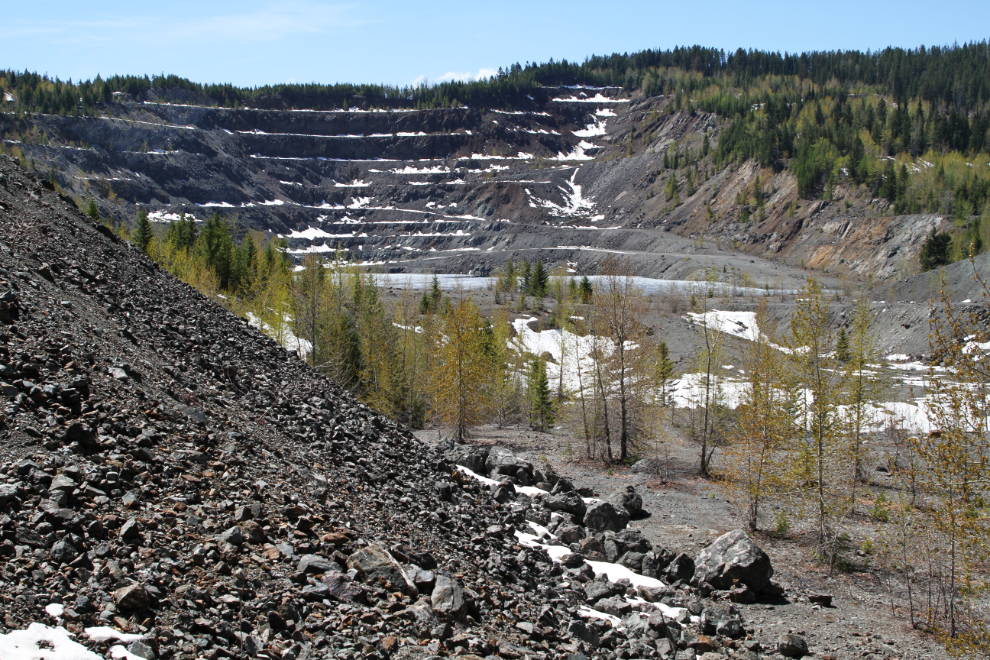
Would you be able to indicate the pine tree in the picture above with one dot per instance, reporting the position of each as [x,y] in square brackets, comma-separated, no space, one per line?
[538,280]
[587,290]
[217,247]
[541,408]
[143,232]
[92,211]
[672,189]
[888,189]
[842,346]
[663,372]
[936,250]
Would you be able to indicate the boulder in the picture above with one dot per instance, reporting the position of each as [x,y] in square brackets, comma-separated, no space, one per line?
[615,605]
[734,557]
[130,531]
[681,568]
[633,539]
[656,561]
[375,565]
[343,588]
[62,482]
[233,536]
[570,534]
[253,532]
[633,561]
[131,598]
[62,552]
[600,588]
[316,564]
[792,646]
[566,503]
[602,516]
[422,578]
[629,500]
[8,493]
[447,597]
[503,462]
[141,649]
[473,458]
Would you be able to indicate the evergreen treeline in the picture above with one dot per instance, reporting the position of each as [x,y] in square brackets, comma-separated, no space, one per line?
[956,76]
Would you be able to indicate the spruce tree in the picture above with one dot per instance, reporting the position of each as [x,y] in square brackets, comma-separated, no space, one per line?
[587,290]
[936,250]
[92,211]
[842,346]
[541,413]
[142,231]
[538,280]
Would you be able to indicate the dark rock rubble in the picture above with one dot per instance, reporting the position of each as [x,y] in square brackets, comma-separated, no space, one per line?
[168,471]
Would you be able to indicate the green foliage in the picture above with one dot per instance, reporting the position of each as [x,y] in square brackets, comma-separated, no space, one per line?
[587,290]
[781,525]
[184,233]
[217,247]
[142,235]
[815,163]
[538,279]
[935,251]
[541,407]
[842,346]
[92,211]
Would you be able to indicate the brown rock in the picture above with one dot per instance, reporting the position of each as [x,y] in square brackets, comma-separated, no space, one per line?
[131,598]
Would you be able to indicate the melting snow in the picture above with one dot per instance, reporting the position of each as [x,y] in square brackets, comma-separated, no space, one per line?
[593,129]
[162,216]
[103,633]
[597,98]
[312,233]
[59,645]
[578,153]
[576,204]
[737,324]
[283,335]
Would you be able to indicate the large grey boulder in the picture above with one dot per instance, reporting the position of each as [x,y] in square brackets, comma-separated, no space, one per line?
[473,458]
[734,557]
[376,566]
[8,493]
[503,462]
[792,646]
[627,499]
[602,517]
[447,597]
[566,503]
[316,564]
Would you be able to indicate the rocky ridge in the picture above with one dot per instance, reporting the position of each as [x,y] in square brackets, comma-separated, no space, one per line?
[170,473]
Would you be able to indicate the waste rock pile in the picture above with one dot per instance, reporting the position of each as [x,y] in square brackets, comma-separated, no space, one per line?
[173,484]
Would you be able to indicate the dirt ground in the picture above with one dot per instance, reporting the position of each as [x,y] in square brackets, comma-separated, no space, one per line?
[687,512]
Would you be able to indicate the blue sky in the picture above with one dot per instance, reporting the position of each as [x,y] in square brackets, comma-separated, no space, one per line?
[253,42]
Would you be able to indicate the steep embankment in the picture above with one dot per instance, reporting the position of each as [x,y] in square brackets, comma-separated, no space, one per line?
[173,475]
[572,173]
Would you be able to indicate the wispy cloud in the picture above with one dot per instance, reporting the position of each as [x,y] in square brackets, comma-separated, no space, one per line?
[260,23]
[451,76]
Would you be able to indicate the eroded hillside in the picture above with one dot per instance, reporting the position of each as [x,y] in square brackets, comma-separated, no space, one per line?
[573,173]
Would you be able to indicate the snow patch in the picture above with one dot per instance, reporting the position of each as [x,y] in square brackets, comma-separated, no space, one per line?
[26,645]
